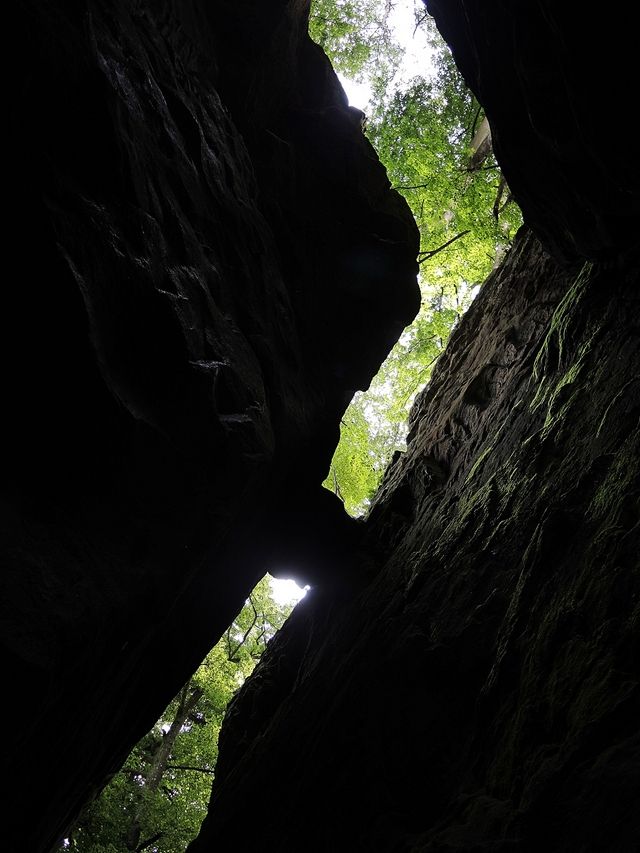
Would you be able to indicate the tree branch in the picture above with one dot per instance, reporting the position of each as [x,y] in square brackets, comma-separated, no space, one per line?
[500,191]
[433,252]
[228,638]
[421,341]
[150,841]
[247,632]
[189,767]
[480,168]
[416,187]
[420,22]
[336,486]
[475,121]
[186,703]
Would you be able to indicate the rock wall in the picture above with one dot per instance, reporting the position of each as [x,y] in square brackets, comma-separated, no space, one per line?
[555,85]
[471,682]
[210,263]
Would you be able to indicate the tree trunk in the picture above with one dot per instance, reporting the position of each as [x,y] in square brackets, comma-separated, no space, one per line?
[481,145]
[187,703]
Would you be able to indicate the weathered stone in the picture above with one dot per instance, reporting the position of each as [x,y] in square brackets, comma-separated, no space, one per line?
[555,83]
[482,692]
[212,263]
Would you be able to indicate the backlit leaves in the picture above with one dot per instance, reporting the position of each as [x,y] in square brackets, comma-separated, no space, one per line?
[423,132]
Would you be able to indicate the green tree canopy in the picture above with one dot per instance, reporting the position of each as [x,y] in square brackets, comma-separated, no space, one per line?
[423,134]
[422,131]
[356,36]
[158,800]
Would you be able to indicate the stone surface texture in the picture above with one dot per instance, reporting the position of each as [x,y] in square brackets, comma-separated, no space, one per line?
[474,684]
[210,262]
[555,85]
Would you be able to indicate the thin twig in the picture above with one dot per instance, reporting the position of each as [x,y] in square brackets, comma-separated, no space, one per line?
[188,767]
[416,187]
[336,486]
[419,23]
[475,120]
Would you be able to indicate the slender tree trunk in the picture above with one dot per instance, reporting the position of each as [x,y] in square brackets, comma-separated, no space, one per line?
[481,144]
[159,765]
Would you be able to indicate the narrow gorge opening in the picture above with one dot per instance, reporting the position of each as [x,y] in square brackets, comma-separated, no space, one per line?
[213,260]
[434,140]
[423,121]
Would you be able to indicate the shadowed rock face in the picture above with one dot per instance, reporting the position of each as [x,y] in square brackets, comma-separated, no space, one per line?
[555,86]
[472,683]
[211,263]
[481,691]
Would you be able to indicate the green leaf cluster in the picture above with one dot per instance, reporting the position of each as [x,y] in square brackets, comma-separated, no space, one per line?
[374,425]
[423,134]
[131,813]
[356,36]
[422,131]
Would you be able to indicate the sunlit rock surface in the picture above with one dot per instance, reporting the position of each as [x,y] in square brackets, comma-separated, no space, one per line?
[210,262]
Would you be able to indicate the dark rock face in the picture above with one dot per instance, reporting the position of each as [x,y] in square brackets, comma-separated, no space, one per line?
[212,263]
[556,85]
[472,681]
[482,692]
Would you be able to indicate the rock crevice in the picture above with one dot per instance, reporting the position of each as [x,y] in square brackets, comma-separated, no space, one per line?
[214,262]
[211,262]
[483,686]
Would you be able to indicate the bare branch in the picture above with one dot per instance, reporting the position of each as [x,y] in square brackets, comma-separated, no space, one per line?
[480,168]
[433,252]
[420,22]
[475,121]
[421,341]
[149,842]
[496,205]
[186,703]
[188,767]
[336,486]
[247,632]
[416,187]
